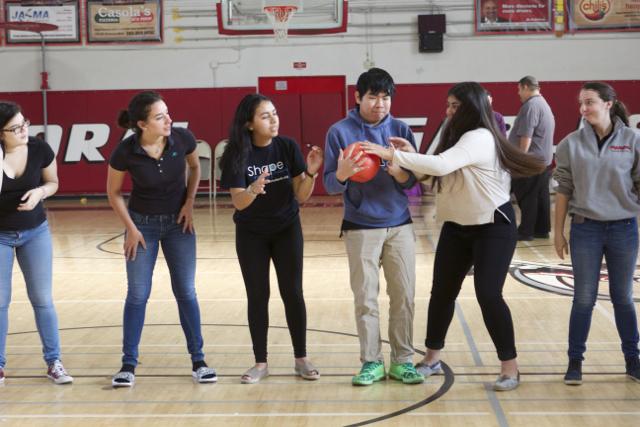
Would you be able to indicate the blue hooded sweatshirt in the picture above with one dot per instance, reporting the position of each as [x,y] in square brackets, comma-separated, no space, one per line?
[380,202]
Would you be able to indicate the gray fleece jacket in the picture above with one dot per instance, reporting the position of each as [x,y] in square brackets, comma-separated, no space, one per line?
[601,184]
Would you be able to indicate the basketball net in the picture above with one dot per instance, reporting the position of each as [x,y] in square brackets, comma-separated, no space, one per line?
[279,16]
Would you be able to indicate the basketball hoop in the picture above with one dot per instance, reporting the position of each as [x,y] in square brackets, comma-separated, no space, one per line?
[34,27]
[279,16]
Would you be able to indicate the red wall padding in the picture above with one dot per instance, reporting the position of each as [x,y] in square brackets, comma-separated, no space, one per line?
[209,113]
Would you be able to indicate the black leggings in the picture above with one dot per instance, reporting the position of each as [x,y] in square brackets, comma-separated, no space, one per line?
[489,248]
[255,251]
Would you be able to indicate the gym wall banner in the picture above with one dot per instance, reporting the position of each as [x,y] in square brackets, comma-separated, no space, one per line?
[83,129]
[604,15]
[124,21]
[65,16]
[513,16]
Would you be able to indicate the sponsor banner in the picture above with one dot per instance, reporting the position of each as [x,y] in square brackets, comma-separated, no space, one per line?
[64,16]
[83,129]
[512,16]
[124,22]
[604,15]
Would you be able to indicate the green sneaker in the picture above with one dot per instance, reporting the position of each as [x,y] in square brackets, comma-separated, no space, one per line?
[370,373]
[406,373]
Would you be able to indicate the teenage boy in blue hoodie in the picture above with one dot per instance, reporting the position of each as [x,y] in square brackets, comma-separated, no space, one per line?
[377,229]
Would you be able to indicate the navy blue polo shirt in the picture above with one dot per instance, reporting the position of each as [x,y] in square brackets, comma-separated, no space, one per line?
[159,186]
[278,208]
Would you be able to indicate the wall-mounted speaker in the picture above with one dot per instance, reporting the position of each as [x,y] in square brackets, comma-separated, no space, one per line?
[430,29]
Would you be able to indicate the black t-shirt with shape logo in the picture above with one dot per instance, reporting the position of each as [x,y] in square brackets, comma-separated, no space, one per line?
[278,208]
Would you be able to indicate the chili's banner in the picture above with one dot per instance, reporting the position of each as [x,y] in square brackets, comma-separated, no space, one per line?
[611,15]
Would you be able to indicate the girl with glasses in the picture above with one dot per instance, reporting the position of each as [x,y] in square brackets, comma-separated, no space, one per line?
[28,176]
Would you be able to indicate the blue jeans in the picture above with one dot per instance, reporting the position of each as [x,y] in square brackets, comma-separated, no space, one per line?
[33,249]
[180,253]
[617,241]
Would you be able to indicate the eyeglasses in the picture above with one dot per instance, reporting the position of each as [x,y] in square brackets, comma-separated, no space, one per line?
[18,128]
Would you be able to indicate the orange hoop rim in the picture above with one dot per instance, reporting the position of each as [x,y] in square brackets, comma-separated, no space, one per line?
[280,13]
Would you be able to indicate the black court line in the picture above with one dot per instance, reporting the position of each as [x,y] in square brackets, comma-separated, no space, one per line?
[448,373]
[100,248]
[448,382]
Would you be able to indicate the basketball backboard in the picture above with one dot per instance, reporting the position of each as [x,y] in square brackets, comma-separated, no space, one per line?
[247,17]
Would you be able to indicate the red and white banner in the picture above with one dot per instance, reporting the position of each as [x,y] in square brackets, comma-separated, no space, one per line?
[83,130]
[512,16]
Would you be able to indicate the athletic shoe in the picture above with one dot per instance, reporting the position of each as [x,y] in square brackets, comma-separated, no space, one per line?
[506,383]
[1,376]
[406,373]
[204,374]
[633,368]
[428,370]
[123,379]
[370,373]
[574,373]
[57,373]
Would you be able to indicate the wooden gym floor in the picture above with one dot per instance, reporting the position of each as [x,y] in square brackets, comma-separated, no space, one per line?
[90,287]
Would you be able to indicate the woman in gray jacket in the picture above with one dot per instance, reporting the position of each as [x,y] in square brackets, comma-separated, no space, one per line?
[598,175]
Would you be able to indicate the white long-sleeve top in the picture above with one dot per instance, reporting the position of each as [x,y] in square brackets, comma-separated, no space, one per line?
[473,182]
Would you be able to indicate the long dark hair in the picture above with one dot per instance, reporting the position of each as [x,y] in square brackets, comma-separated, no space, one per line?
[475,112]
[607,93]
[237,151]
[138,109]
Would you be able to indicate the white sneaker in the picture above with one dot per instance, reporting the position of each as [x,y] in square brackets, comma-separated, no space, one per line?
[123,379]
[204,374]
[505,383]
[428,370]
[58,374]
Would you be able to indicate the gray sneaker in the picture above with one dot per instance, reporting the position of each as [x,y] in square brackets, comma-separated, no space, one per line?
[428,370]
[506,383]
[123,379]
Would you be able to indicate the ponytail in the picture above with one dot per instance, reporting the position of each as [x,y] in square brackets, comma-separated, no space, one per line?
[620,110]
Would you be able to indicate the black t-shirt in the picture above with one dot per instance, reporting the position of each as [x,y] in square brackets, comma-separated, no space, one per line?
[39,156]
[278,208]
[158,185]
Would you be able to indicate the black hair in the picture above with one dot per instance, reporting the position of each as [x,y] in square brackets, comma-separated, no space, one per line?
[240,137]
[475,112]
[138,109]
[8,110]
[375,80]
[607,93]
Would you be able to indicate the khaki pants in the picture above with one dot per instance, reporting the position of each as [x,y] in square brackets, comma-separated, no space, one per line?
[393,249]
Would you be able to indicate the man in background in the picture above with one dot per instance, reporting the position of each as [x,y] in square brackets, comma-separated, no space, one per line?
[533,132]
